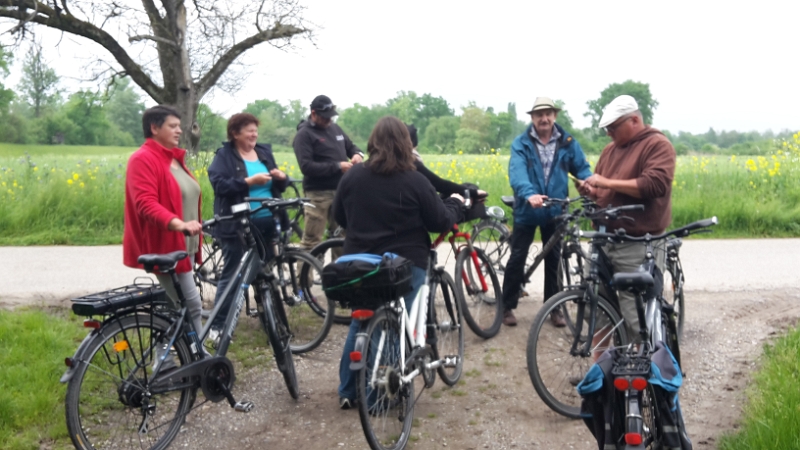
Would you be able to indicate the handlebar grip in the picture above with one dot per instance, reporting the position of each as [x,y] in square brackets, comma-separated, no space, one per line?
[631,208]
[708,222]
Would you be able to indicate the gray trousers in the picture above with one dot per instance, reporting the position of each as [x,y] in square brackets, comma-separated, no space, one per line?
[190,293]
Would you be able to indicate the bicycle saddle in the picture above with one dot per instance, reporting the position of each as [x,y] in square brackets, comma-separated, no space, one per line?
[633,280]
[508,200]
[163,262]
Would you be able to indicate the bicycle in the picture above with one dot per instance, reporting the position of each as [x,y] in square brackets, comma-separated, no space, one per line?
[394,346]
[326,252]
[559,358]
[674,280]
[135,376]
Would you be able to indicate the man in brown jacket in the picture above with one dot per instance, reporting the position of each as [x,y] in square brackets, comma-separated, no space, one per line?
[637,167]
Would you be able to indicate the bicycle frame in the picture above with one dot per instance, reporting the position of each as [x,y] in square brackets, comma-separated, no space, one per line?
[454,234]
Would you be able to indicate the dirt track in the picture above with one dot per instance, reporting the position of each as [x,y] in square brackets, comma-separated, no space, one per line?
[740,293]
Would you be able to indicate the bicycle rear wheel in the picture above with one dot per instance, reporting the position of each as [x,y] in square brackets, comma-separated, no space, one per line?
[207,274]
[327,252]
[482,308]
[296,215]
[385,404]
[111,400]
[305,301]
[446,337]
[554,372]
[493,238]
[273,318]
[673,292]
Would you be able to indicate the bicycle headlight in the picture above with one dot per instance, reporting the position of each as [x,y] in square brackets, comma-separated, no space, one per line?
[495,212]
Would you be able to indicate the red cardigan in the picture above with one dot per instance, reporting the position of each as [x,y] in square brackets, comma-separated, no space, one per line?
[152,200]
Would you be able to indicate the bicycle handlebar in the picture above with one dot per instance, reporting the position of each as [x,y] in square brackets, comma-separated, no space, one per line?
[621,236]
[266,202]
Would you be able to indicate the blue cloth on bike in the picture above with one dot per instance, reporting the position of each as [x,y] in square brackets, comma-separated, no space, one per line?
[526,175]
[366,257]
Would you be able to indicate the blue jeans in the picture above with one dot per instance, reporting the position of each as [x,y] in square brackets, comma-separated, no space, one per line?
[232,253]
[347,377]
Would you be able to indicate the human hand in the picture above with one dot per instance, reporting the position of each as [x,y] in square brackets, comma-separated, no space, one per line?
[357,158]
[536,200]
[458,197]
[190,228]
[585,189]
[259,179]
[277,174]
[597,181]
[345,166]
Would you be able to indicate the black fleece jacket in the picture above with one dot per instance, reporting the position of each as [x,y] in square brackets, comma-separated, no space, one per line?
[319,152]
[227,173]
[392,213]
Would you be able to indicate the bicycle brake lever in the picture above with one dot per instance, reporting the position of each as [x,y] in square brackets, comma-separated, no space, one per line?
[628,218]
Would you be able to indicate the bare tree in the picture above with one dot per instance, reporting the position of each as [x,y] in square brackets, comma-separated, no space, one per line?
[194,43]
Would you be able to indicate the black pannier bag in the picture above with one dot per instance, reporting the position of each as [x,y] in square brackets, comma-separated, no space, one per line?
[365,280]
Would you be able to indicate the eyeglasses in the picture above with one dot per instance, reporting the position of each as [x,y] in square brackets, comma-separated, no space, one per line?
[613,127]
[327,107]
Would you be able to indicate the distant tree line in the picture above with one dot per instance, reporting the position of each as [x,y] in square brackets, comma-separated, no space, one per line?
[38,111]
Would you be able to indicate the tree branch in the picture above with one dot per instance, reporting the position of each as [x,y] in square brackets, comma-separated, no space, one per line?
[279,31]
[69,23]
[143,37]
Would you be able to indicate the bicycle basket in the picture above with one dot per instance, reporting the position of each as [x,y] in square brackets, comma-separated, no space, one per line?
[367,281]
[112,300]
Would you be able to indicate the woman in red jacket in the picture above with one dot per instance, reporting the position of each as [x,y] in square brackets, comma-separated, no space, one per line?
[162,205]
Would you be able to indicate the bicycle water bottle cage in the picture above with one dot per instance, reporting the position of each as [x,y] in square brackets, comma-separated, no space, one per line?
[633,281]
[162,263]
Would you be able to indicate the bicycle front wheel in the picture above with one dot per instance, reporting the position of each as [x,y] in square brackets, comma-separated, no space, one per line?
[447,334]
[327,252]
[273,317]
[493,238]
[111,399]
[673,292]
[554,372]
[208,273]
[385,403]
[306,304]
[482,307]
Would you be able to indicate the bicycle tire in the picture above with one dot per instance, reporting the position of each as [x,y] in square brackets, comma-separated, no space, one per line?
[483,310]
[307,303]
[446,328]
[326,254]
[297,218]
[673,292]
[274,321]
[111,387]
[208,273]
[552,369]
[493,237]
[385,407]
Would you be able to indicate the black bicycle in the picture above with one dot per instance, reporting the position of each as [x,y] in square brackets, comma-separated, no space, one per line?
[134,378]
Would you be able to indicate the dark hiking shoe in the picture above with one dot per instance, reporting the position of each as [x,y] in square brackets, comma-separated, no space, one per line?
[508,318]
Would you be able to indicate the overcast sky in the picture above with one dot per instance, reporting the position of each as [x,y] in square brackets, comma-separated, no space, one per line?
[726,65]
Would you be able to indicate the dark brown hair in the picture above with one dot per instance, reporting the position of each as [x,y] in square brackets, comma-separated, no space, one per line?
[156,116]
[239,121]
[389,147]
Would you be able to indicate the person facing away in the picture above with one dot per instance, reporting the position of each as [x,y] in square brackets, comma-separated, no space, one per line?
[162,206]
[324,154]
[637,167]
[387,206]
[540,159]
[241,168]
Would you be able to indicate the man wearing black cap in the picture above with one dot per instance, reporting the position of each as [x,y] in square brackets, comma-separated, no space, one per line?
[324,153]
[537,169]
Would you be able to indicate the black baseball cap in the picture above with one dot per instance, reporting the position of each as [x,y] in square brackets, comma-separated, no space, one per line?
[324,107]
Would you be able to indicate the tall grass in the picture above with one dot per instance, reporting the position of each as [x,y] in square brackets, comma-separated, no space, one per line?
[77,197]
[34,345]
[771,418]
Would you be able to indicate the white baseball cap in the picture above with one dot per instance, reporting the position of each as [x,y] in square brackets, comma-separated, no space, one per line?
[620,106]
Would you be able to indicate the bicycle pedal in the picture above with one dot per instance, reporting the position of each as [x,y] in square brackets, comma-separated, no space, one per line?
[244,406]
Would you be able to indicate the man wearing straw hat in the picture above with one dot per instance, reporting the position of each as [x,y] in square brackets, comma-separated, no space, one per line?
[540,160]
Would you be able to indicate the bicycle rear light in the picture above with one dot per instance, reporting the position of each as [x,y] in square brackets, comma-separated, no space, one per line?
[633,438]
[91,323]
[639,384]
[362,314]
[355,356]
[621,384]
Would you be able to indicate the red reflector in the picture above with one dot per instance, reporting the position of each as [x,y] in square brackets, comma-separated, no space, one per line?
[362,314]
[633,438]
[91,323]
[355,356]
[68,362]
[621,384]
[639,384]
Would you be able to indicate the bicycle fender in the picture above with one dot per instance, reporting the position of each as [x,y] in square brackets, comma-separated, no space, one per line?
[361,342]
[78,357]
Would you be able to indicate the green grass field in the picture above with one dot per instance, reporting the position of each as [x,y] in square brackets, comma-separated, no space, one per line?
[75,195]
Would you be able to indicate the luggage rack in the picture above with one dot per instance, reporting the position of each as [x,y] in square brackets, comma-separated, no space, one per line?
[142,292]
[626,365]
